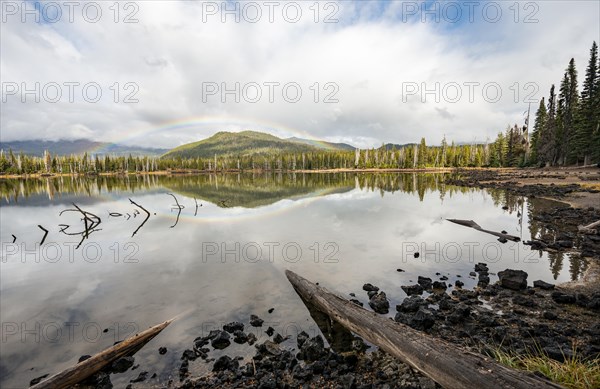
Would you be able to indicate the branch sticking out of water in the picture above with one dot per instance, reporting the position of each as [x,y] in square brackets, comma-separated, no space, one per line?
[145,220]
[179,207]
[45,234]
[90,221]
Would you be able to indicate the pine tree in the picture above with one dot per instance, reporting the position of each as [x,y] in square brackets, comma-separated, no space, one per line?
[538,129]
[422,153]
[546,143]
[596,134]
[588,115]
[568,102]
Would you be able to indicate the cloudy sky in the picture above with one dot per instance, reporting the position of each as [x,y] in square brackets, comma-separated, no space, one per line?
[163,73]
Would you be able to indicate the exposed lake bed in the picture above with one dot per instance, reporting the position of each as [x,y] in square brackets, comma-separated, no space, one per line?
[362,228]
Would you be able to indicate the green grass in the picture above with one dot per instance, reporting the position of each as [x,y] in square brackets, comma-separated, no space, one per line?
[574,372]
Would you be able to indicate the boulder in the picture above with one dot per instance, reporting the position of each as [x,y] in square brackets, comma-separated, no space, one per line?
[513,279]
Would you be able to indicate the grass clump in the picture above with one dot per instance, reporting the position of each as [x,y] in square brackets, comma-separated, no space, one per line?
[573,372]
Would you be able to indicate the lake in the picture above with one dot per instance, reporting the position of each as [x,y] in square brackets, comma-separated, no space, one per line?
[212,249]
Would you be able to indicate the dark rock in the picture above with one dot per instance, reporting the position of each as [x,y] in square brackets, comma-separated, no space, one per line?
[121,365]
[400,270]
[411,304]
[301,338]
[416,255]
[425,282]
[423,319]
[481,267]
[542,285]
[563,298]
[513,279]
[523,301]
[443,278]
[188,355]
[240,337]
[379,303]
[162,350]
[251,339]
[256,321]
[565,243]
[37,380]
[459,284]
[348,381]
[370,288]
[233,326]
[439,285]
[472,274]
[558,353]
[278,338]
[270,331]
[355,301]
[312,349]
[271,310]
[412,289]
[225,363]
[221,341]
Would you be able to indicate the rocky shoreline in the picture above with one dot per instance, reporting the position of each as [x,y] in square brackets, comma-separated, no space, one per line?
[514,314]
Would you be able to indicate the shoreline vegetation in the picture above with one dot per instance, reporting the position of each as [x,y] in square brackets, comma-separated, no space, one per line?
[447,169]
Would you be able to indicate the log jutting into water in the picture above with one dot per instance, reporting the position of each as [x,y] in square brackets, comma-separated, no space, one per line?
[472,224]
[443,362]
[589,229]
[90,366]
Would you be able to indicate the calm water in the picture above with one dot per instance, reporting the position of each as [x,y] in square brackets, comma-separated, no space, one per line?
[224,260]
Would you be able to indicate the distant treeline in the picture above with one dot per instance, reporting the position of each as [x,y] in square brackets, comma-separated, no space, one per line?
[566,132]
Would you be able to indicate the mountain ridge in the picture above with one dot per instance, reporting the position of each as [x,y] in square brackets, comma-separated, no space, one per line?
[248,142]
[37,147]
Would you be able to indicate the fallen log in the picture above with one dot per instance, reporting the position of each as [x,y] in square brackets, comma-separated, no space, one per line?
[90,366]
[447,364]
[472,224]
[589,229]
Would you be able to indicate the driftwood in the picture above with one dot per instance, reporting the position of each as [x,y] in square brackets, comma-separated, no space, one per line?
[589,229]
[472,224]
[447,364]
[90,366]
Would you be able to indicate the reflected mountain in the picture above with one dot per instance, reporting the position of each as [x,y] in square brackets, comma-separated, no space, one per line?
[257,190]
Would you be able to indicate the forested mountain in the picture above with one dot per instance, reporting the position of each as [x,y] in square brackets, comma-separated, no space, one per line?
[323,145]
[76,147]
[249,143]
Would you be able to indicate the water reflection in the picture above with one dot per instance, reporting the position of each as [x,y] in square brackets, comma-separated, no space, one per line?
[350,229]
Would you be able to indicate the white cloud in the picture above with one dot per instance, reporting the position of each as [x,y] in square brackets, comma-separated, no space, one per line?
[370,54]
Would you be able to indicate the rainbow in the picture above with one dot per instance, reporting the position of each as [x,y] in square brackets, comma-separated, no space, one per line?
[203,127]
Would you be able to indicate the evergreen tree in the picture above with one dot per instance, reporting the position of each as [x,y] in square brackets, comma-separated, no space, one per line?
[546,143]
[538,129]
[588,115]
[422,156]
[568,102]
